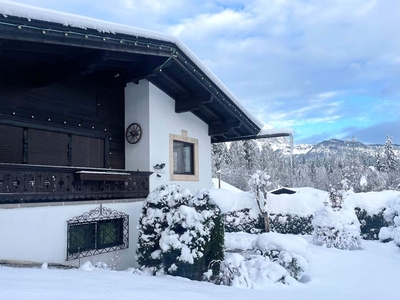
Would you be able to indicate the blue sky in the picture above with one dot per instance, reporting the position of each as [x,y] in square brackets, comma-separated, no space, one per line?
[325,68]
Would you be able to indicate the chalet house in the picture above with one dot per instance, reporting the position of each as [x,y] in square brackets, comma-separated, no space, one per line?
[94,115]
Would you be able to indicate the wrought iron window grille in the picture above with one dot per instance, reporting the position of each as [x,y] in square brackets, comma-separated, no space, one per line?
[98,231]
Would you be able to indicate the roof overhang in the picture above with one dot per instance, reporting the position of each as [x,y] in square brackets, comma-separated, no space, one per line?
[54,50]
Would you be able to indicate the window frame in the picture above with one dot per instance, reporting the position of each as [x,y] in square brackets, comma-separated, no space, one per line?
[183,138]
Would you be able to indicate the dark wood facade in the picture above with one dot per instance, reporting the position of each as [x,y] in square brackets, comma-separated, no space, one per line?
[61,127]
[64,142]
[70,119]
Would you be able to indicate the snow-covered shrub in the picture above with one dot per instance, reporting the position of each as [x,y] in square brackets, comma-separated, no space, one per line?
[233,272]
[290,252]
[245,220]
[392,216]
[179,233]
[291,224]
[271,258]
[337,228]
[152,223]
[370,224]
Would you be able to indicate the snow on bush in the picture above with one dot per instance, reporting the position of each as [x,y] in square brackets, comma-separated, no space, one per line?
[179,233]
[233,272]
[244,220]
[370,223]
[338,228]
[392,216]
[291,224]
[274,258]
[288,251]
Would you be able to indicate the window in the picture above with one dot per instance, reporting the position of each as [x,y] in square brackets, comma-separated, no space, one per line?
[183,158]
[99,231]
[109,233]
[11,144]
[184,162]
[44,147]
[47,148]
[87,152]
[82,237]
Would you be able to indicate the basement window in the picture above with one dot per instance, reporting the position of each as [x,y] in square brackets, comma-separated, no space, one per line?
[99,231]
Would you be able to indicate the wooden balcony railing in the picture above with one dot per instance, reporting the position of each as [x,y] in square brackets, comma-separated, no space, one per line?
[33,183]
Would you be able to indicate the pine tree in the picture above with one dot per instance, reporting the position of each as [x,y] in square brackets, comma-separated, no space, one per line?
[220,157]
[251,154]
[379,166]
[237,173]
[390,156]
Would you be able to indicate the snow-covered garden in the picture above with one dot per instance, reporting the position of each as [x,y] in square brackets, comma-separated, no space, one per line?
[333,262]
[371,273]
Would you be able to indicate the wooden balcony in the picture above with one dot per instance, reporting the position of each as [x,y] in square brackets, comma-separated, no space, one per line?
[34,183]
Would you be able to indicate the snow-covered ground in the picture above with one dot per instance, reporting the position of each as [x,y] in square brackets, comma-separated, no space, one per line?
[371,273]
[304,202]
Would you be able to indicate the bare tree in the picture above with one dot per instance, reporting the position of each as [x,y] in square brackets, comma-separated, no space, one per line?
[259,184]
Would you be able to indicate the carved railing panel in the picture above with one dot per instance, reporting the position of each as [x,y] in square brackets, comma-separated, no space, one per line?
[27,183]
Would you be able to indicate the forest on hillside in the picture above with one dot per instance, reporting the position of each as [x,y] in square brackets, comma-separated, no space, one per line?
[352,169]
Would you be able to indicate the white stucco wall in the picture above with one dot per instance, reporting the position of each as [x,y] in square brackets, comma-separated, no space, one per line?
[39,234]
[161,121]
[137,111]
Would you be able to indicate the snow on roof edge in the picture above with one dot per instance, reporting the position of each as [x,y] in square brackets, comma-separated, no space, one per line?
[10,8]
[273,131]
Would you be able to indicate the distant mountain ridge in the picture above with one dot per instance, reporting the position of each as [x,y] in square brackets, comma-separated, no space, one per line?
[334,147]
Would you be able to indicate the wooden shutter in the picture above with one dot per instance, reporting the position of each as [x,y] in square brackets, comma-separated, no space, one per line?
[47,148]
[11,144]
[87,152]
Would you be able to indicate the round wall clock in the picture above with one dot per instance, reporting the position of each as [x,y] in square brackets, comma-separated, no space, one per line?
[133,133]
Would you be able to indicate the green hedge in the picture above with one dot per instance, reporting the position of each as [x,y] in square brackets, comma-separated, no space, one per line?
[291,224]
[244,221]
[370,224]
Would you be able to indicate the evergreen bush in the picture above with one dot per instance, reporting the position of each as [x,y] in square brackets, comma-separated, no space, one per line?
[370,224]
[179,233]
[291,224]
[244,220]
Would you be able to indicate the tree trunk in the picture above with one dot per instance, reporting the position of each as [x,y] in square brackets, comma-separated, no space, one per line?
[266,221]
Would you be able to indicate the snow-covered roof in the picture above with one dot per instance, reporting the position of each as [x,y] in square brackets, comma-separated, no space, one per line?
[9,8]
[273,132]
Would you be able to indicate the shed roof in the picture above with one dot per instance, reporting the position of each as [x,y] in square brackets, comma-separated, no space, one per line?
[59,44]
[283,190]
